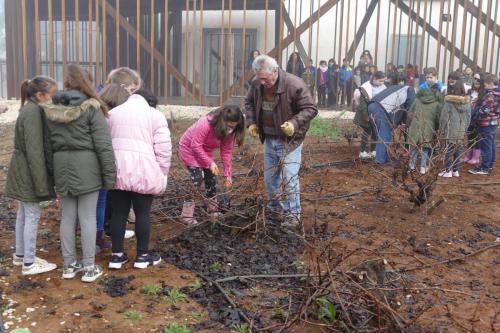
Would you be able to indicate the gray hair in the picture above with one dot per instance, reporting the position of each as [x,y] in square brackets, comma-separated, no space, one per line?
[264,63]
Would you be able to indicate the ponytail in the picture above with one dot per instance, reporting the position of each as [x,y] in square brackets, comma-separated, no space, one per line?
[24,91]
[37,84]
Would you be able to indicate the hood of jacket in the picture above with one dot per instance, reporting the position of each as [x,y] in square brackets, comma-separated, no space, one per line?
[427,96]
[460,103]
[67,106]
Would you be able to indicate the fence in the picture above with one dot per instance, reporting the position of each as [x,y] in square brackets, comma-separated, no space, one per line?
[197,51]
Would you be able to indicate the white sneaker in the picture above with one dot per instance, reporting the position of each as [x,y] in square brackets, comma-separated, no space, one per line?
[69,272]
[423,170]
[91,273]
[38,267]
[18,261]
[455,174]
[373,154]
[129,234]
[445,174]
[364,155]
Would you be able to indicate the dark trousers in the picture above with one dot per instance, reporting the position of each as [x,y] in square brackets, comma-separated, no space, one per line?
[369,132]
[487,137]
[452,157]
[198,175]
[121,201]
[322,96]
[332,98]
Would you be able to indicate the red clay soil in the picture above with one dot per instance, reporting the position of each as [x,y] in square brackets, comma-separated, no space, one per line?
[462,296]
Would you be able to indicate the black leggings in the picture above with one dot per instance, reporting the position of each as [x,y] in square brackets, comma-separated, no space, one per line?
[122,201]
[370,132]
[198,175]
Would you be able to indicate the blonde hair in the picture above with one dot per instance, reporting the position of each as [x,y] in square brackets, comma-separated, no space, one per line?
[125,77]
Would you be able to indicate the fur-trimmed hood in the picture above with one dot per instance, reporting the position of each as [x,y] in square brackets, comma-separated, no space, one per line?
[67,106]
[456,99]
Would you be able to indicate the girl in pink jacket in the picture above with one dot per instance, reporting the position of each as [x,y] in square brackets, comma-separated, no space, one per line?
[219,129]
[142,146]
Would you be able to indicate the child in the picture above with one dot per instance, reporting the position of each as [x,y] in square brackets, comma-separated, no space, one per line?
[345,75]
[29,179]
[365,75]
[423,122]
[322,83]
[309,76]
[473,154]
[84,163]
[143,161]
[362,96]
[431,80]
[120,84]
[219,129]
[453,124]
[488,104]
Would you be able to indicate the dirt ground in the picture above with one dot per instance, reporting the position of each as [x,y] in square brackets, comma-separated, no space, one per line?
[378,223]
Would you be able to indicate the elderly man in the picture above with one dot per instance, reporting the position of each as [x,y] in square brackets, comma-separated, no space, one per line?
[279,108]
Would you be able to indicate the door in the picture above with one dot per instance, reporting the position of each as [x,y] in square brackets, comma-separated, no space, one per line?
[233,59]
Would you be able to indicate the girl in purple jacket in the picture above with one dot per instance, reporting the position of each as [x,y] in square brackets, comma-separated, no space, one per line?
[219,129]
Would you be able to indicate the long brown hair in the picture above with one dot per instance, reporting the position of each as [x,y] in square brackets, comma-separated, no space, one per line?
[78,79]
[228,113]
[40,83]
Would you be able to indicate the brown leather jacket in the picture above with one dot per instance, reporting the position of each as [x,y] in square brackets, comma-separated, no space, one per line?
[294,104]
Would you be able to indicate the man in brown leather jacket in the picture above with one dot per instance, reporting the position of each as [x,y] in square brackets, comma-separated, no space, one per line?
[279,108]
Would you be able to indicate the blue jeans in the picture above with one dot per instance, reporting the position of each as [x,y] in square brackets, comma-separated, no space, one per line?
[487,137]
[452,157]
[101,209]
[424,156]
[282,165]
[384,131]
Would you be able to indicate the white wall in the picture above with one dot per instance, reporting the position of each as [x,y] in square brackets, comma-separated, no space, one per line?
[327,45]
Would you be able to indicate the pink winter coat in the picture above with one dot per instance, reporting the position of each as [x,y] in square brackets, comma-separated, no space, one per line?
[141,141]
[198,143]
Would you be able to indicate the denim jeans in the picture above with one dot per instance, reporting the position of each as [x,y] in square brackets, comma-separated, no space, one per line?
[487,137]
[281,165]
[424,157]
[101,209]
[384,131]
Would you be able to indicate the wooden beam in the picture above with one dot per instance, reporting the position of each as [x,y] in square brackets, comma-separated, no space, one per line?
[362,29]
[157,55]
[430,30]
[291,28]
[474,10]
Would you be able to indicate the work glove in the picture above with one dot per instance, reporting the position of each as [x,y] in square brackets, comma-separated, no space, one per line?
[228,182]
[214,169]
[252,130]
[288,128]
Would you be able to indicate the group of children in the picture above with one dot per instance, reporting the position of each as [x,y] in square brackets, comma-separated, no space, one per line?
[108,149]
[440,117]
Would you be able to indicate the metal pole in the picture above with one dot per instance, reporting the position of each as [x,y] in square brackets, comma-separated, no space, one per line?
[487,33]
[166,80]
[377,33]
[186,54]
[138,35]
[37,37]
[494,37]
[438,61]
[221,54]
[51,40]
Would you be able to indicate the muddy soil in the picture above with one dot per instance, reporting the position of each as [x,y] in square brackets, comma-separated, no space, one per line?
[380,222]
